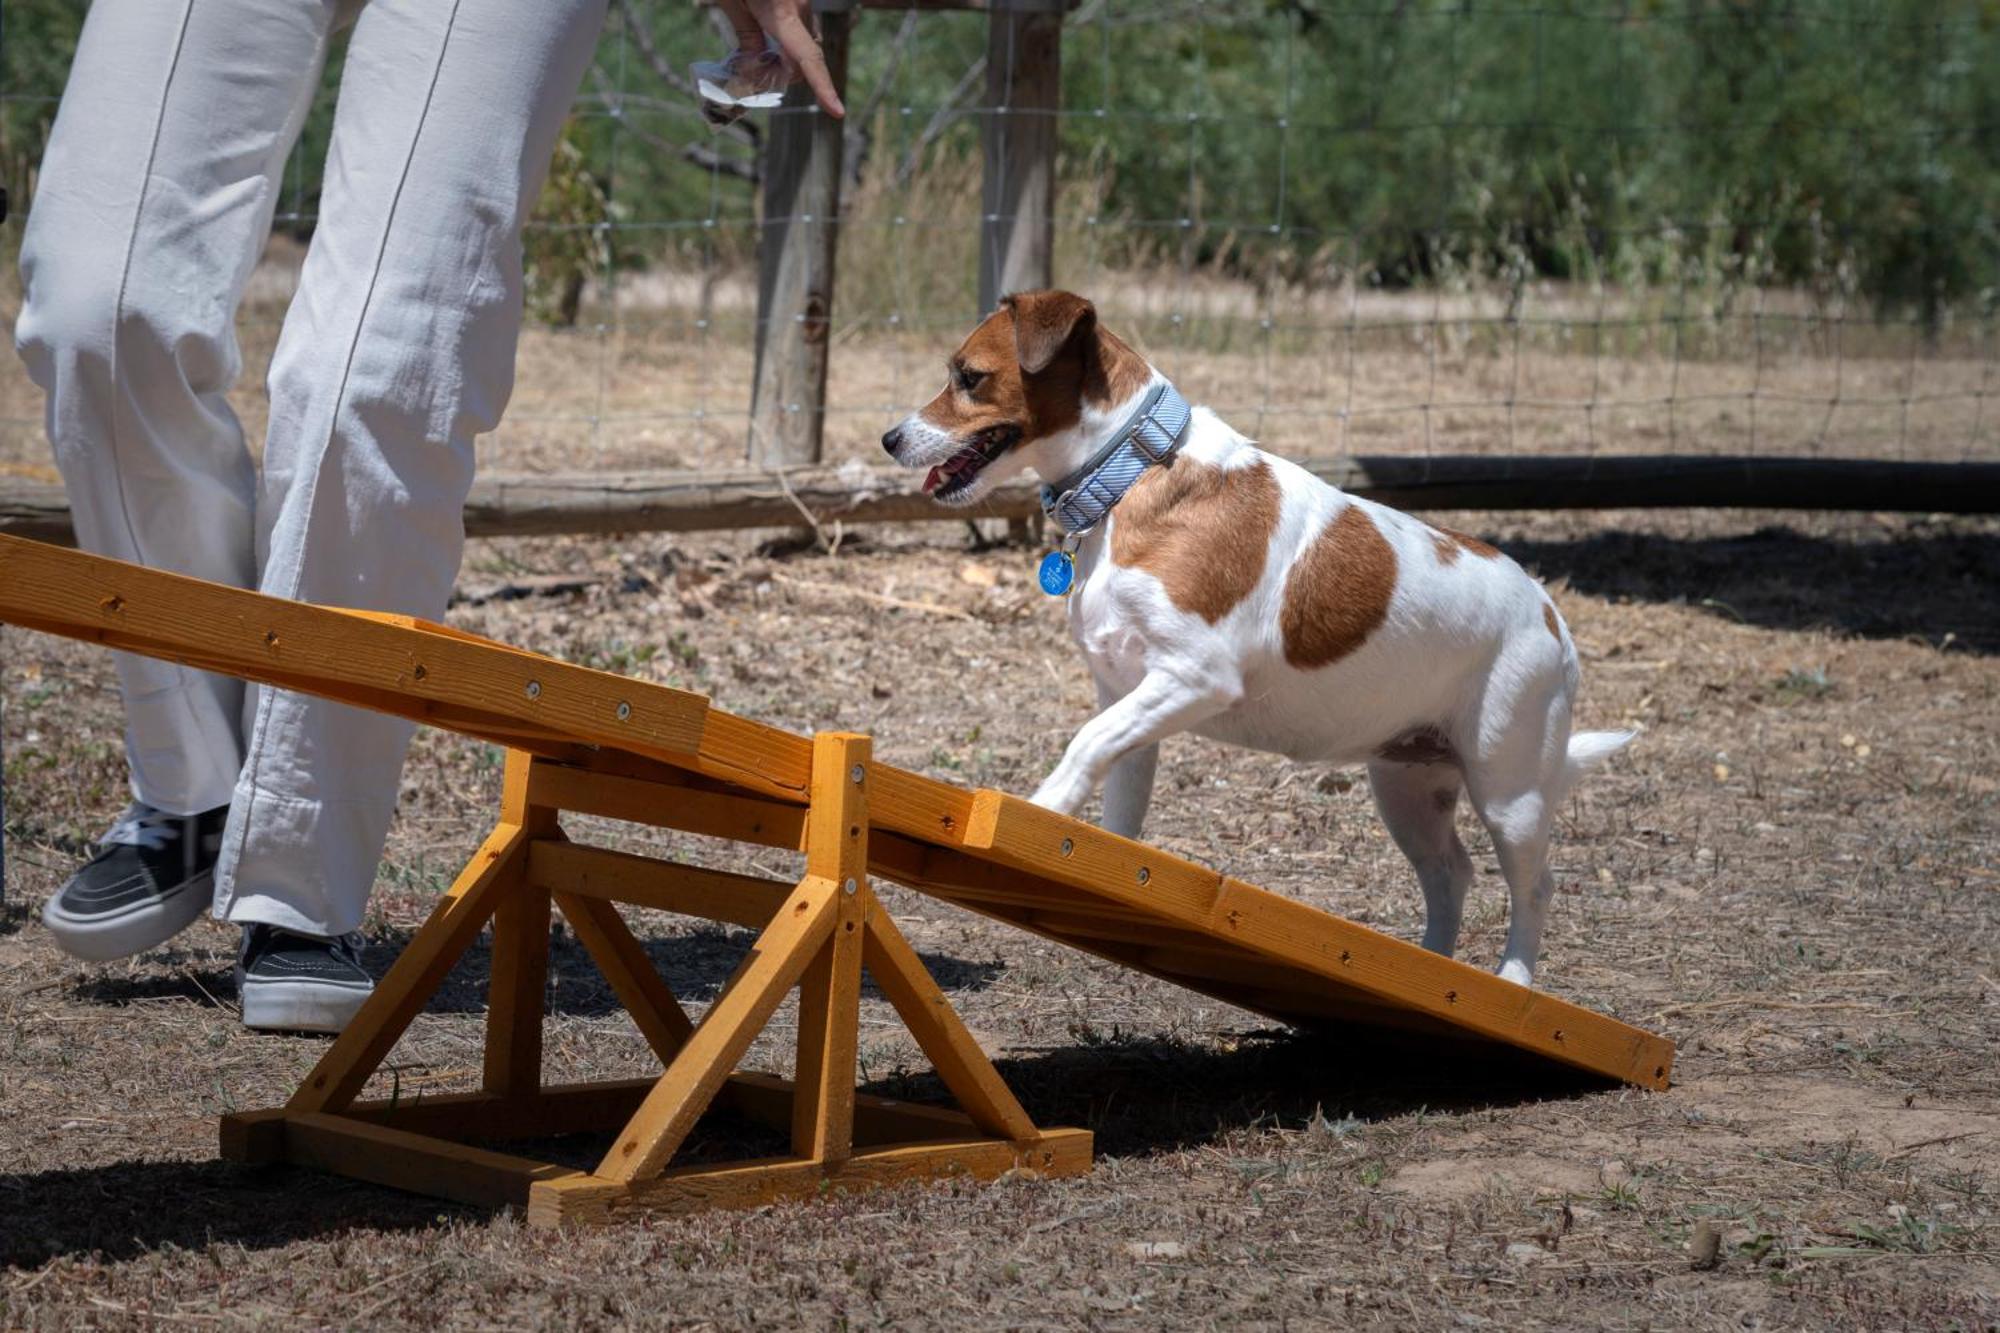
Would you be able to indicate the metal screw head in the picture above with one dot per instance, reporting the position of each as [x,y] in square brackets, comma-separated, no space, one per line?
[850,888]
[1069,845]
[534,689]
[856,773]
[624,711]
[1144,874]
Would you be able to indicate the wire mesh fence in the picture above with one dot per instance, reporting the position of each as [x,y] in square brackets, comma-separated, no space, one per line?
[1400,228]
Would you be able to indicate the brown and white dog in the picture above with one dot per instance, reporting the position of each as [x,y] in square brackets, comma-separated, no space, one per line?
[1234,594]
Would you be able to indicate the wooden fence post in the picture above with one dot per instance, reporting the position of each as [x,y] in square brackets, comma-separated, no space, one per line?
[1023,95]
[795,263]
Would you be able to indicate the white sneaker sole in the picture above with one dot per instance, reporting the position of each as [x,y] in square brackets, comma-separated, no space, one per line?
[299,1006]
[142,926]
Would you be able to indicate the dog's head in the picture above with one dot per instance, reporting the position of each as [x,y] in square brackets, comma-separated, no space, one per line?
[1022,391]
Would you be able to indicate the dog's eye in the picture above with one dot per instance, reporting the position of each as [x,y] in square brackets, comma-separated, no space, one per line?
[966,378]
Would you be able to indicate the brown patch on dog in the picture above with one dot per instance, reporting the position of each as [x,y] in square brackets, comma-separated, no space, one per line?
[1549,619]
[1338,592]
[1484,550]
[1202,531]
[1425,745]
[1446,548]
[1044,323]
[1031,366]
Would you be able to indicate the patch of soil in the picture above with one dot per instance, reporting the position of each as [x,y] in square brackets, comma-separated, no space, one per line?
[1792,872]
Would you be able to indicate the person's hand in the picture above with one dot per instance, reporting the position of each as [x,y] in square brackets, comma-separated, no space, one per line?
[789,23]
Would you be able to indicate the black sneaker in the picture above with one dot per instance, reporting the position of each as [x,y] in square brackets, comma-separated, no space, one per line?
[153,874]
[299,983]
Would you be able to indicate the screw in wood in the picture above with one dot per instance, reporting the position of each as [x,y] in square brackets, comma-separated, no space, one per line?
[534,689]
[850,888]
[1144,874]
[1069,845]
[624,711]
[855,773]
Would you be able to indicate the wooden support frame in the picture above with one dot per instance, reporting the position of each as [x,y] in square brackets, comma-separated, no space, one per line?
[816,936]
[593,743]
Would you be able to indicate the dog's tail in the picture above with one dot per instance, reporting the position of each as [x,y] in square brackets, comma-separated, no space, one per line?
[1589,749]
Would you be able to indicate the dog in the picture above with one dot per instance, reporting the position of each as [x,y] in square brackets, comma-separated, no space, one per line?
[1218,589]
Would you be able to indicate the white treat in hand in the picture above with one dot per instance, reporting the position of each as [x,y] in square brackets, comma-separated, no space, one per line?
[746,81]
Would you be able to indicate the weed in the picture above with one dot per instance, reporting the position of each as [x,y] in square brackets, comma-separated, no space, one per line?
[1799,685]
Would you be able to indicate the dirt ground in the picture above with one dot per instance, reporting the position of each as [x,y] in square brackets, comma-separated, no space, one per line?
[1795,872]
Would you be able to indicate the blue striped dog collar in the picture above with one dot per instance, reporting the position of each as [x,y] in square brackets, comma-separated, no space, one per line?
[1153,434]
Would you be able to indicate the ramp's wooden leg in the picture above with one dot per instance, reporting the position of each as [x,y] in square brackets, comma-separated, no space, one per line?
[517,983]
[774,965]
[941,1033]
[622,959]
[830,991]
[496,867]
[516,989]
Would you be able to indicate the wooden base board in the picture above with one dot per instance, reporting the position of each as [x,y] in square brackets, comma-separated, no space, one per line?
[400,1145]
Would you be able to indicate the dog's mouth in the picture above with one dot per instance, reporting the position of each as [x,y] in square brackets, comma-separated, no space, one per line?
[956,474]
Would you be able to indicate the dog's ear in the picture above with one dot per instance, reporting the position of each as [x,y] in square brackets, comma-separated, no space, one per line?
[1044,324]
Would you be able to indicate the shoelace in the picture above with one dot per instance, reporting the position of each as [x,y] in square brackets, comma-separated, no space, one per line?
[143,826]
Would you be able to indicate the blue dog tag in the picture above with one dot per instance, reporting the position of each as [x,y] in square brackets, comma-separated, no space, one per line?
[1057,573]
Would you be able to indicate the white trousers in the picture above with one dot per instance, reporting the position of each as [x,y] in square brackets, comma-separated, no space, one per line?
[155,200]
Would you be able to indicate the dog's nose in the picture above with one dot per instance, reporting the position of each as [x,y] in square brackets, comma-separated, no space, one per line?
[892,439]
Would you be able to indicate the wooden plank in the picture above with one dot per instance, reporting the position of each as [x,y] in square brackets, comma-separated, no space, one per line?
[799,228]
[641,801]
[1069,851]
[1460,995]
[666,886]
[413,1162]
[516,991]
[518,980]
[830,990]
[1185,895]
[559,1109]
[769,1100]
[1018,133]
[724,1033]
[759,757]
[941,1033]
[587,1108]
[389,667]
[623,961]
[414,977]
[579,1200]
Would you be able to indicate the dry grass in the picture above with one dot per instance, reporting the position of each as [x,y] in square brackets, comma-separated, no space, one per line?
[1793,873]
[660,377]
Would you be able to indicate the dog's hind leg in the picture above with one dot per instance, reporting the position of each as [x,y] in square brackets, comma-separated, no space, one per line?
[1515,780]
[1164,702]
[1417,803]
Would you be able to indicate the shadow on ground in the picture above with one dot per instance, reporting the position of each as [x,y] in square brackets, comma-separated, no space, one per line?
[696,963]
[1140,1098]
[1921,585]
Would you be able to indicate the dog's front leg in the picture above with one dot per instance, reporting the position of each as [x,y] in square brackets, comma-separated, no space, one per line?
[1128,787]
[1165,702]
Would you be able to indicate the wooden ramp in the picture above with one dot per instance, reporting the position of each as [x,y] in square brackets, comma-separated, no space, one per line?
[590,742]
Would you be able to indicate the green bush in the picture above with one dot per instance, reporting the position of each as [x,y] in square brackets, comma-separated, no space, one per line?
[1851,147]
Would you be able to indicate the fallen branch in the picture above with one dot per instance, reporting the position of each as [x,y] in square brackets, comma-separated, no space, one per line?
[879,599]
